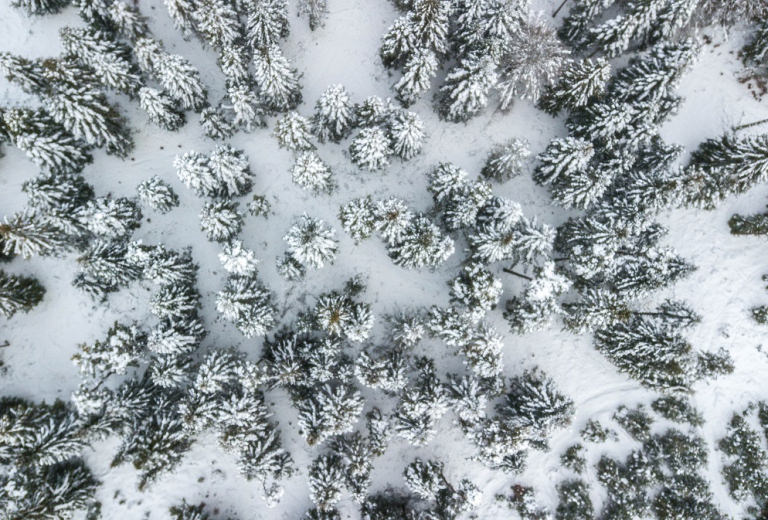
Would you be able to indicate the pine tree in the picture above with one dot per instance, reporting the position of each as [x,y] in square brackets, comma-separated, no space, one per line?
[105,266]
[194,170]
[215,124]
[217,23]
[371,149]
[534,400]
[421,405]
[506,160]
[109,59]
[292,132]
[358,218]
[406,134]
[121,349]
[334,117]
[238,260]
[530,62]
[231,169]
[278,83]
[246,105]
[18,293]
[316,11]
[179,79]
[580,83]
[221,221]
[724,166]
[466,88]
[477,289]
[326,474]
[392,218]
[329,410]
[311,242]
[574,502]
[110,218]
[418,72]
[157,194]
[430,20]
[422,245]
[27,235]
[398,43]
[311,173]
[755,51]
[246,302]
[43,140]
[563,158]
[266,23]
[40,7]
[160,109]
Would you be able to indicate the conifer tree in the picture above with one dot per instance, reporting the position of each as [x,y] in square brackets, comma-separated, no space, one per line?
[371,149]
[40,7]
[311,242]
[580,83]
[221,221]
[18,293]
[334,117]
[215,124]
[238,260]
[311,173]
[506,160]
[157,194]
[467,86]
[418,72]
[43,140]
[406,134]
[358,218]
[246,302]
[292,132]
[109,217]
[422,245]
[266,23]
[316,11]
[392,218]
[529,62]
[27,235]
[160,109]
[278,83]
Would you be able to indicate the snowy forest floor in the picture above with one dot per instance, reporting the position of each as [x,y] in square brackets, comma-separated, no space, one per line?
[725,286]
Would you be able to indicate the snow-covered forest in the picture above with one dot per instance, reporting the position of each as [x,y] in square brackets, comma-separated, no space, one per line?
[383,259]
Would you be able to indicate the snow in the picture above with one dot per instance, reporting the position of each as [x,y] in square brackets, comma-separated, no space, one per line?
[723,288]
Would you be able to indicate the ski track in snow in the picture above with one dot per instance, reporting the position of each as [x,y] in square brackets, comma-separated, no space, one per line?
[723,288]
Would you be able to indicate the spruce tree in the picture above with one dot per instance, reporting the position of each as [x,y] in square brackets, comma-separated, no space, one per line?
[422,244]
[246,302]
[506,160]
[311,173]
[333,118]
[311,242]
[221,221]
[292,132]
[580,83]
[157,194]
[371,149]
[467,86]
[278,83]
[18,293]
[160,109]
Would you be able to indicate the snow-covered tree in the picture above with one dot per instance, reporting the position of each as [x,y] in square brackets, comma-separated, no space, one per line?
[18,293]
[334,115]
[580,83]
[160,109]
[278,82]
[407,135]
[292,132]
[418,72]
[506,160]
[311,242]
[358,218]
[157,194]
[422,244]
[530,61]
[466,89]
[247,303]
[311,173]
[316,11]
[371,149]
[110,217]
[221,221]
[238,260]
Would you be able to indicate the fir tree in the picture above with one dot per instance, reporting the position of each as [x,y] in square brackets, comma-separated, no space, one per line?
[110,218]
[418,72]
[580,83]
[422,245]
[157,194]
[406,134]
[334,118]
[160,109]
[40,7]
[246,302]
[278,83]
[371,149]
[530,62]
[292,132]
[506,160]
[311,242]
[466,88]
[316,11]
[43,140]
[109,59]
[27,235]
[18,293]
[311,173]
[358,218]
[221,221]
[574,502]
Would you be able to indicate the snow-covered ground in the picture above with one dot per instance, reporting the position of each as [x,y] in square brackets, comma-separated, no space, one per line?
[726,284]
